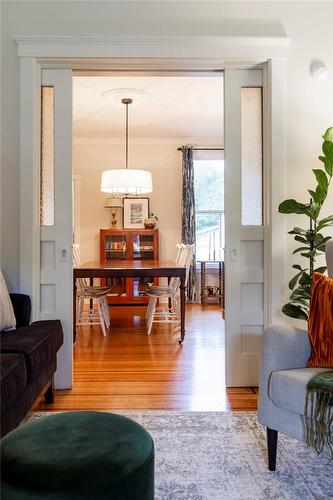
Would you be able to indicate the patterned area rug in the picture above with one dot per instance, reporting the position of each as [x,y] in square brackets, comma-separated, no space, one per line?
[222,456]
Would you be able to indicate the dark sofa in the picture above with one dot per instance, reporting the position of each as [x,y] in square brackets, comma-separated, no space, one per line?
[28,363]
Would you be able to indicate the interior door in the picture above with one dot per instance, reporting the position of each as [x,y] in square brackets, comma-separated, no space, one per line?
[244,249]
[56,211]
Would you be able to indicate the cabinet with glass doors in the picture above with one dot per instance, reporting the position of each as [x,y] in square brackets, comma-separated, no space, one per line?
[128,244]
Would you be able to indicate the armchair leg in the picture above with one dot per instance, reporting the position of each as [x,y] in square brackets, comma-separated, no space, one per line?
[49,395]
[272,437]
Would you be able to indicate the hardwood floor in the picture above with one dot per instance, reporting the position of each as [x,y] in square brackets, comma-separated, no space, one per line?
[129,370]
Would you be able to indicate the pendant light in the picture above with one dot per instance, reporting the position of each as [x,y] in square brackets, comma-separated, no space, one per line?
[125,180]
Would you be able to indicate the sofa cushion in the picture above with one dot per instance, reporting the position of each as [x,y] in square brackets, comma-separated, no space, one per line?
[38,342]
[287,388]
[13,379]
[22,308]
[7,316]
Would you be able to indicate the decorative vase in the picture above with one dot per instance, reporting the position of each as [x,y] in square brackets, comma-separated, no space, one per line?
[149,223]
[113,222]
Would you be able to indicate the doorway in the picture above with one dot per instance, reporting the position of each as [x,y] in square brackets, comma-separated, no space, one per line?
[274,73]
[245,304]
[169,117]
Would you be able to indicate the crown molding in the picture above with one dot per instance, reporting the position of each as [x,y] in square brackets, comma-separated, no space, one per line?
[255,47]
[254,41]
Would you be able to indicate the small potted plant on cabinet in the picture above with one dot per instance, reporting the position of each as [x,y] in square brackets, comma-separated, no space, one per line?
[151,222]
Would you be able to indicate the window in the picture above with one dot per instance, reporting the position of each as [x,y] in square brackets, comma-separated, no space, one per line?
[209,203]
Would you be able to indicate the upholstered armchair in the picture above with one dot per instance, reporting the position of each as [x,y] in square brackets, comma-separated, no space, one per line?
[284,376]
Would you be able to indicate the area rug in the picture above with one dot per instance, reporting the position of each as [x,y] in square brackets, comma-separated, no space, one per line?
[222,456]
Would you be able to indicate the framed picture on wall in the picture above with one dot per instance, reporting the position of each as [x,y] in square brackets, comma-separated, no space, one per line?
[136,210]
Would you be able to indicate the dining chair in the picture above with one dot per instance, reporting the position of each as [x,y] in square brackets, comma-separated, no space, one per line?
[97,296]
[162,314]
[180,247]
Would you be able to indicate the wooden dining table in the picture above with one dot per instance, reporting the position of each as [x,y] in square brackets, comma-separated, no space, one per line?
[132,269]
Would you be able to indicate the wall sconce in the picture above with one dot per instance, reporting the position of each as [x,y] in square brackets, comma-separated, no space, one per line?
[115,205]
[318,70]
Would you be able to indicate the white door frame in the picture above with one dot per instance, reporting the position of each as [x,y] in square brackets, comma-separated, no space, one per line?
[156,54]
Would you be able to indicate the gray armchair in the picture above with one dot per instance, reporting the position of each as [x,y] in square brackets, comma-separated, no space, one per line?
[284,376]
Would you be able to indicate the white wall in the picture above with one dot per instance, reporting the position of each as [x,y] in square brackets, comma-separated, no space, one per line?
[163,160]
[309,104]
[92,156]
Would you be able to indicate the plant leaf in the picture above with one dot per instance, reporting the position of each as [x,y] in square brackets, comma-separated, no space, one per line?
[320,270]
[328,164]
[297,266]
[294,311]
[305,279]
[321,179]
[328,150]
[314,210]
[296,296]
[293,207]
[305,302]
[300,249]
[301,239]
[310,255]
[328,136]
[320,194]
[293,281]
[298,230]
[315,195]
[322,241]
[328,221]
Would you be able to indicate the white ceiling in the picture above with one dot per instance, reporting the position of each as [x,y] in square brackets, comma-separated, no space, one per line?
[181,107]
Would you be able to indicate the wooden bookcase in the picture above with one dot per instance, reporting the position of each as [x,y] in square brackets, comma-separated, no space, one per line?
[128,244]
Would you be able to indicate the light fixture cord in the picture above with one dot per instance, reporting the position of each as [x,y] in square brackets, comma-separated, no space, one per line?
[127,134]
[126,101]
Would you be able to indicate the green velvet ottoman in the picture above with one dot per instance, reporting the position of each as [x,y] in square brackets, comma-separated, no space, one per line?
[78,455]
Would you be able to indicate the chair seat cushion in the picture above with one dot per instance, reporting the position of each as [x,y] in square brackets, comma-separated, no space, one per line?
[159,290]
[13,379]
[38,343]
[78,455]
[287,388]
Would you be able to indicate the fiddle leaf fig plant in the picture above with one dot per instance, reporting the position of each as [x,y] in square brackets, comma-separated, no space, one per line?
[312,241]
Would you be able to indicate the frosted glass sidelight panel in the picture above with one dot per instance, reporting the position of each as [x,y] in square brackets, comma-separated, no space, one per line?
[47,157]
[252,165]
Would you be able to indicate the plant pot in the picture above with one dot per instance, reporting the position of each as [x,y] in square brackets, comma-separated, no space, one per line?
[149,223]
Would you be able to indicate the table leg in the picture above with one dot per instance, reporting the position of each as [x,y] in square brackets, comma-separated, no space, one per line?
[203,282]
[74,309]
[169,299]
[182,289]
[91,302]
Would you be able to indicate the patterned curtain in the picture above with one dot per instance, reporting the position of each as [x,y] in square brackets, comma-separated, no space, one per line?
[188,214]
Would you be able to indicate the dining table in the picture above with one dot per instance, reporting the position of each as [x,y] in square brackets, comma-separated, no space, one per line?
[132,269]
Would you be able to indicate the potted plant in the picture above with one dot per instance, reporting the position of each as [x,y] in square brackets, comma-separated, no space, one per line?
[311,239]
[150,223]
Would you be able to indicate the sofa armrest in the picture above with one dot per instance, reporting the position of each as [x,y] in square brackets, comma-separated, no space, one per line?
[283,347]
[22,308]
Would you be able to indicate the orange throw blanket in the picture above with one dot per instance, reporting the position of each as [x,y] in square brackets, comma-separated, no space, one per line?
[320,322]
